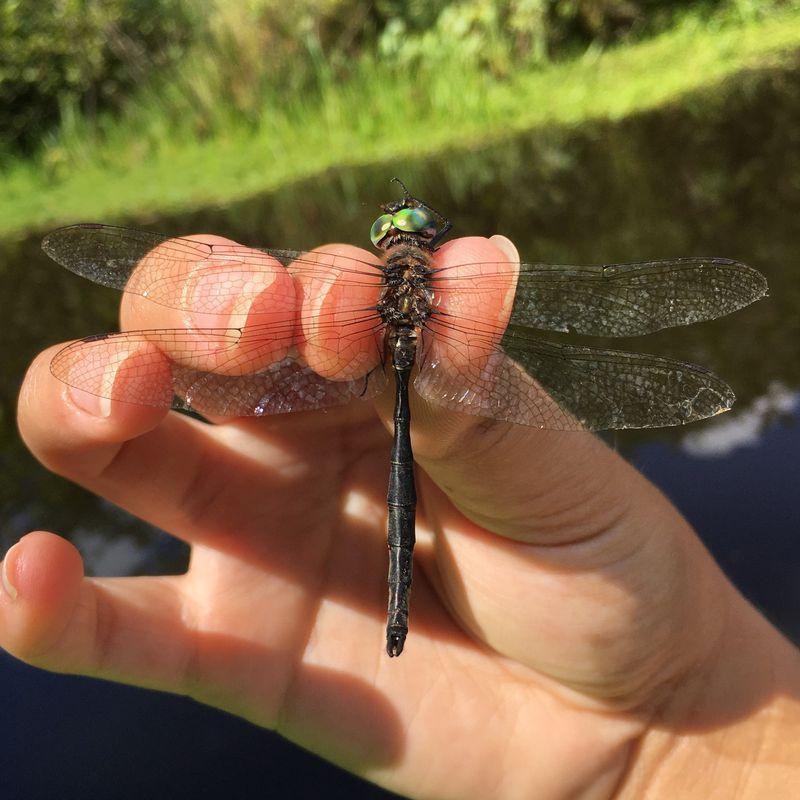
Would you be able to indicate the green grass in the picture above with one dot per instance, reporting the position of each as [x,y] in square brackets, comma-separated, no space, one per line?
[142,166]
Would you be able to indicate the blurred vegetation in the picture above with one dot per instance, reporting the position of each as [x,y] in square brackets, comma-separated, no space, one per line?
[61,56]
[113,87]
[65,60]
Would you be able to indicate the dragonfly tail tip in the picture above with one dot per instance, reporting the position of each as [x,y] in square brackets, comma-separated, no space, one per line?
[394,643]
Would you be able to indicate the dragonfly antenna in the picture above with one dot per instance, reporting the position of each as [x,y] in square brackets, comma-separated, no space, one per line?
[397,180]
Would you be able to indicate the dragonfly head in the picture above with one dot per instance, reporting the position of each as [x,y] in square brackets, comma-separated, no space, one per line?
[407,221]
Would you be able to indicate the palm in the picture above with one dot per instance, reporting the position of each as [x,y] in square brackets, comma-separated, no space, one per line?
[289,556]
[287,591]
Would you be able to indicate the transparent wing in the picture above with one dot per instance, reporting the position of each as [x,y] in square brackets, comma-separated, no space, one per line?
[617,299]
[110,255]
[610,300]
[160,368]
[544,384]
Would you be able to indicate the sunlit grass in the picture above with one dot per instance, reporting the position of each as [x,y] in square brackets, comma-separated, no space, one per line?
[145,165]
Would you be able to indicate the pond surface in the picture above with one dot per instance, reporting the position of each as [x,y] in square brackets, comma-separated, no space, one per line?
[719,175]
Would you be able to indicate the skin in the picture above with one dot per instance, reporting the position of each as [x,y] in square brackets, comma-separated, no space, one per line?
[570,635]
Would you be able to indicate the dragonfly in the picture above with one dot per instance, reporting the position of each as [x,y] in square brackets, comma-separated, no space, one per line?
[265,331]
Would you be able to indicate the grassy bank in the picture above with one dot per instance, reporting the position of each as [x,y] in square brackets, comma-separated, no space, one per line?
[379,115]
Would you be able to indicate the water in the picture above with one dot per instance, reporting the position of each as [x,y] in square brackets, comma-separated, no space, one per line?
[719,175]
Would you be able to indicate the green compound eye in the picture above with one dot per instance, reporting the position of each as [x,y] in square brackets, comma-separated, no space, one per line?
[380,227]
[415,220]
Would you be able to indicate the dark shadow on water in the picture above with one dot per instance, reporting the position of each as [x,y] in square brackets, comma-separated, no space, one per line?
[75,737]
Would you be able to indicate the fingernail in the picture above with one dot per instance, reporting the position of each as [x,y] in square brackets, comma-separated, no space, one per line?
[507,246]
[98,404]
[7,570]
[90,403]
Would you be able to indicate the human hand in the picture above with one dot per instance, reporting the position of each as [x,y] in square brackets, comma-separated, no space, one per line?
[568,630]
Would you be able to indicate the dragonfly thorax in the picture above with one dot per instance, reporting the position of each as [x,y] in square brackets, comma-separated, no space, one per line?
[405,301]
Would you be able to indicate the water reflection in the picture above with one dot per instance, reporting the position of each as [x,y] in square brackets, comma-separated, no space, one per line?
[745,428]
[715,176]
